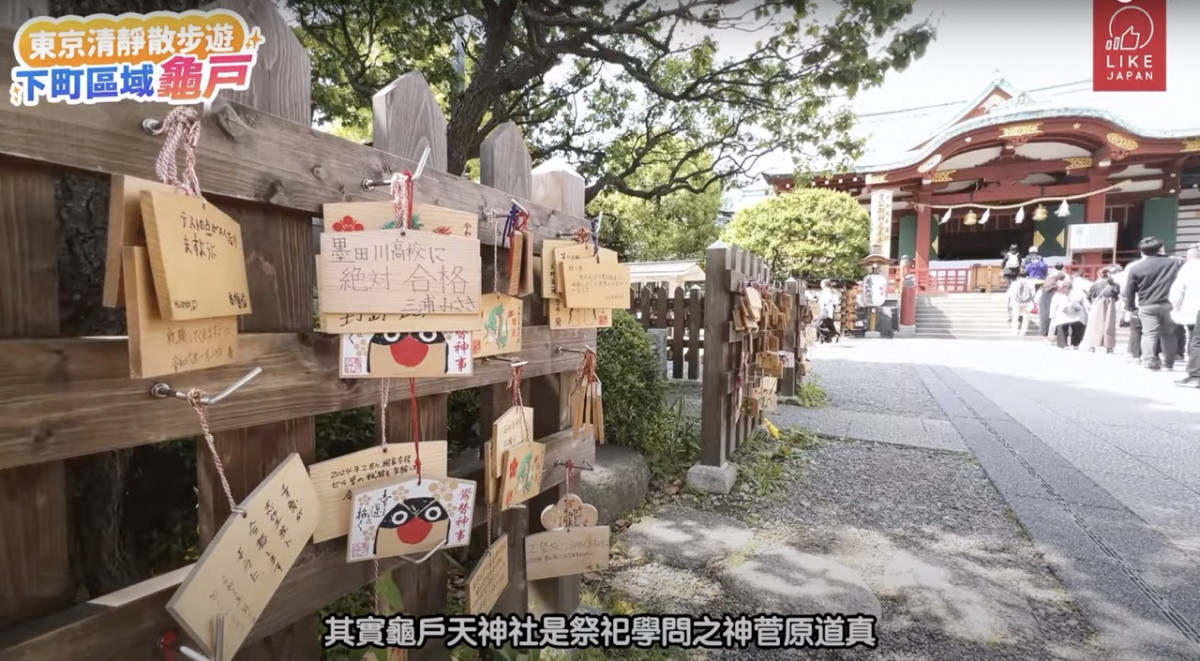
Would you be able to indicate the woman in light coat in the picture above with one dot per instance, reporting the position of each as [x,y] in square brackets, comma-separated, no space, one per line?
[1068,314]
[1103,298]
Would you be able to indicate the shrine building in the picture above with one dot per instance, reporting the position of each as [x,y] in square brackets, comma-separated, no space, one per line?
[1054,166]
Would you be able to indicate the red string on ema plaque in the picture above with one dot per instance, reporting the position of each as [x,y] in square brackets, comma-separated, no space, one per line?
[403,301]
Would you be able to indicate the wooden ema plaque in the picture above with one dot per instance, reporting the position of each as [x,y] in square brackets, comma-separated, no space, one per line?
[405,355]
[158,347]
[501,332]
[591,285]
[197,257]
[391,272]
[508,431]
[518,281]
[489,578]
[336,479]
[410,517]
[124,230]
[247,560]
[521,478]
[566,552]
[362,216]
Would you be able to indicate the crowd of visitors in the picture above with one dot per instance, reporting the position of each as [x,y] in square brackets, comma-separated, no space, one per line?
[1157,297]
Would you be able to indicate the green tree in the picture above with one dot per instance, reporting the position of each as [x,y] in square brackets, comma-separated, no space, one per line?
[580,77]
[811,232]
[675,225]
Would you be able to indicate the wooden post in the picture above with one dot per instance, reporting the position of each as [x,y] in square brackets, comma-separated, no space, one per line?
[279,261]
[408,120]
[562,190]
[718,311]
[787,382]
[35,547]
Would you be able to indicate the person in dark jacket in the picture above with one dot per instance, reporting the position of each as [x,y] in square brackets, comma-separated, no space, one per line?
[1147,294]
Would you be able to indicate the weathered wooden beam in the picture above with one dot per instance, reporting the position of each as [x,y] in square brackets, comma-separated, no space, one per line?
[73,397]
[127,624]
[244,154]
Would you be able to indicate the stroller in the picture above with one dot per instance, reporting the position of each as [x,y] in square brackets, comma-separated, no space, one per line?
[827,332]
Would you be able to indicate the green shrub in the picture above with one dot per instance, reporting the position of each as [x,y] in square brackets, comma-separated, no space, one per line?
[633,381]
[636,413]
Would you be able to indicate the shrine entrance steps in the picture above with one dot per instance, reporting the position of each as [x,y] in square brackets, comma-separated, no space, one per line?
[974,316]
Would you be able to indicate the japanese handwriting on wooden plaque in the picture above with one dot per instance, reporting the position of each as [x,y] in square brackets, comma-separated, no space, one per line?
[769,362]
[388,272]
[569,512]
[554,252]
[246,561]
[566,552]
[788,359]
[518,273]
[508,431]
[578,252]
[158,347]
[561,316]
[395,323]
[407,518]
[336,479]
[124,230]
[397,355]
[522,475]
[591,285]
[489,578]
[197,257]
[501,333]
[362,216]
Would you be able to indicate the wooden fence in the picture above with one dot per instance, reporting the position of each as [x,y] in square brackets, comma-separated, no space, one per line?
[728,271]
[682,312]
[65,396]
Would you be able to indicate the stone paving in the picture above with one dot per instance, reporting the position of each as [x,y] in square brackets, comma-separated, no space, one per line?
[1099,460]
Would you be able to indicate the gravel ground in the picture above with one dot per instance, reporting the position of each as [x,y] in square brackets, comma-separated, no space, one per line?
[862,386]
[928,534]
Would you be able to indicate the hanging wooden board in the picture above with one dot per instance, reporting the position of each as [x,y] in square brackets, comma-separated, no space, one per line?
[508,431]
[566,552]
[522,475]
[158,347]
[571,253]
[405,518]
[489,578]
[336,479]
[405,355]
[591,285]
[769,362]
[124,230]
[546,266]
[247,560]
[197,257]
[788,359]
[362,216]
[341,324]
[569,512]
[518,270]
[563,317]
[385,271]
[501,332]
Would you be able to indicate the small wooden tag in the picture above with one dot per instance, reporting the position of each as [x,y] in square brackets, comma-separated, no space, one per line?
[597,412]
[407,517]
[509,431]
[569,512]
[403,355]
[566,552]
[489,578]
[125,229]
[501,322]
[513,275]
[526,283]
[522,476]
[577,412]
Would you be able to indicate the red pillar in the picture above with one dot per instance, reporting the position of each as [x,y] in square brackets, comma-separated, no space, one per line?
[921,259]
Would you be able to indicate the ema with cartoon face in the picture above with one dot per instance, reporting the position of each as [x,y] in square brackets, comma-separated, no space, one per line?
[407,350]
[414,525]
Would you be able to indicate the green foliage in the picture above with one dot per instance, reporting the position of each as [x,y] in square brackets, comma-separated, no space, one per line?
[603,84]
[763,462]
[160,507]
[675,225]
[809,394]
[808,233]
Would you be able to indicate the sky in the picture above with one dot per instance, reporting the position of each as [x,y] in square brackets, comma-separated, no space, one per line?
[1033,44]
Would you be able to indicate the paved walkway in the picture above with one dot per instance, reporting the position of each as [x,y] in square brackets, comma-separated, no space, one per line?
[1099,460]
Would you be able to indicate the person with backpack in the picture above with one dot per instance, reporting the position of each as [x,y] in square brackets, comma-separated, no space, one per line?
[1011,265]
[1020,301]
[1068,313]
[1103,296]
[1148,296]
[1035,266]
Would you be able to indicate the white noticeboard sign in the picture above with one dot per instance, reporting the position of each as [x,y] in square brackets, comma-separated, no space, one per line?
[881,222]
[874,291]
[1085,237]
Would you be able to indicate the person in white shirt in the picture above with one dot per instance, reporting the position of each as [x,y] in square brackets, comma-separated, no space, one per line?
[1069,313]
[1020,300]
[1185,304]
[827,304]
